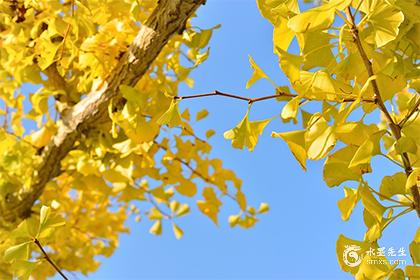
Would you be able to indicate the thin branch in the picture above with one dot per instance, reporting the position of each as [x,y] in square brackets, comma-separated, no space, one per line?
[186,164]
[36,241]
[151,199]
[257,99]
[388,198]
[395,128]
[410,113]
[6,116]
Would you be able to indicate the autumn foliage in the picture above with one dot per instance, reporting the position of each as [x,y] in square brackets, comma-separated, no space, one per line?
[102,139]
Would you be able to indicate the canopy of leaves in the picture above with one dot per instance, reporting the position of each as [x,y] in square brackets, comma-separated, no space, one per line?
[129,166]
[358,60]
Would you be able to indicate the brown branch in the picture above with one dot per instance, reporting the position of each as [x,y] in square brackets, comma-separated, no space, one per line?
[257,99]
[167,19]
[395,128]
[36,241]
[6,116]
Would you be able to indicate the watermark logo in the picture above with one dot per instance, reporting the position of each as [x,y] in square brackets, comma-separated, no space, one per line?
[351,256]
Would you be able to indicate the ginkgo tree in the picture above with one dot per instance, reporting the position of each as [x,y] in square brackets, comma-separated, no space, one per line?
[355,58]
[87,150]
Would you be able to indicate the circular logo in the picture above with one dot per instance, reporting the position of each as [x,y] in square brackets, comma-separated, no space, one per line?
[351,256]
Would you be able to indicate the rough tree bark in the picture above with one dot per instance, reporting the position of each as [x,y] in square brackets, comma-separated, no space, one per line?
[168,18]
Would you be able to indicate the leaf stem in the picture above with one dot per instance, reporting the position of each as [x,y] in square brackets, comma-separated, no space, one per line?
[36,241]
[396,216]
[388,198]
[410,113]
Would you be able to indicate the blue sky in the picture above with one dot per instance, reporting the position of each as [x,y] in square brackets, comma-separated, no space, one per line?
[296,239]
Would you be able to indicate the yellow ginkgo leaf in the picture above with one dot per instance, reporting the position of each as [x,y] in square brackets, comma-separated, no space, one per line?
[257,73]
[347,204]
[201,115]
[246,133]
[296,142]
[156,228]
[171,117]
[43,136]
[177,231]
[187,188]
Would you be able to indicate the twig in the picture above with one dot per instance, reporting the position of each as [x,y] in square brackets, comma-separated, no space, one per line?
[151,199]
[395,128]
[257,99]
[36,241]
[410,113]
[6,121]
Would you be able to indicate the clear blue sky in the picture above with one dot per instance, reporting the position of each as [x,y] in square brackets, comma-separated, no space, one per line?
[296,239]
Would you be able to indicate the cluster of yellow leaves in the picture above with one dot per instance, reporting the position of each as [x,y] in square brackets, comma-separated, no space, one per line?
[131,166]
[318,55]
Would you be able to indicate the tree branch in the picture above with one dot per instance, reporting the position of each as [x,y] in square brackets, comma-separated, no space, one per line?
[257,99]
[168,18]
[395,128]
[36,241]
